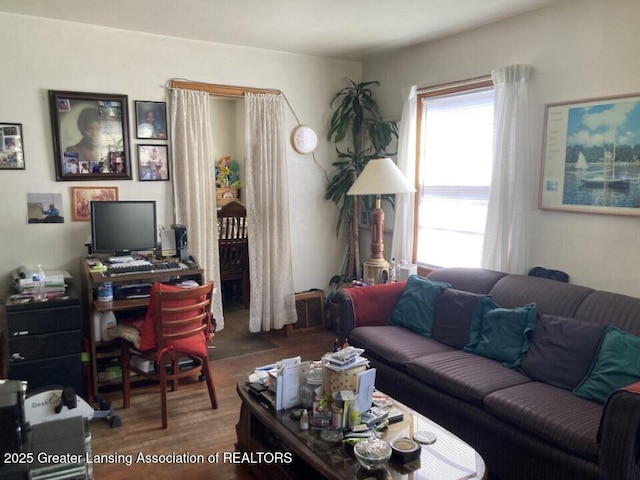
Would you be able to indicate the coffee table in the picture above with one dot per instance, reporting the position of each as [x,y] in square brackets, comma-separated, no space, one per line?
[262,431]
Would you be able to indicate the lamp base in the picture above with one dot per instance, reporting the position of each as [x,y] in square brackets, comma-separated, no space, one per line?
[376,270]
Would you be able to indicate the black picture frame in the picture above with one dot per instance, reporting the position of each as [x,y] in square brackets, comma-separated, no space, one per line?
[153,163]
[151,120]
[11,146]
[102,151]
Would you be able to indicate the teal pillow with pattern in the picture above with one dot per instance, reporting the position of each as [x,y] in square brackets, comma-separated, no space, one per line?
[616,365]
[417,305]
[502,334]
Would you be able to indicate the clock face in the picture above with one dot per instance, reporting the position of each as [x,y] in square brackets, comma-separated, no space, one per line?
[304,140]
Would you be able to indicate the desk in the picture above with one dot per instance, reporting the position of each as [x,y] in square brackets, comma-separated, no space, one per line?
[110,351]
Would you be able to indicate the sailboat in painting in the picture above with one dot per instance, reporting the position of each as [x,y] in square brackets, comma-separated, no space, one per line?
[582,164]
[605,178]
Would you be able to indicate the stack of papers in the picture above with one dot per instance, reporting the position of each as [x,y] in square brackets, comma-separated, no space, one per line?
[54,285]
[346,359]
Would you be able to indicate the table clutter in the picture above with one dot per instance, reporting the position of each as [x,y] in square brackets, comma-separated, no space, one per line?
[334,400]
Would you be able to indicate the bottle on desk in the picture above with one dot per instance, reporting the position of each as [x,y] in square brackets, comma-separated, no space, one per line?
[39,284]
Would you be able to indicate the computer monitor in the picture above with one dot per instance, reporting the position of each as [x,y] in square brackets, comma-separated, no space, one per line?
[122,227]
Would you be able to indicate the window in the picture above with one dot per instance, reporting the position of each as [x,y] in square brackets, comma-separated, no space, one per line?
[455,134]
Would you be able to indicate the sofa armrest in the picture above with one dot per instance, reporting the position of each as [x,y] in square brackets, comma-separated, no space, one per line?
[619,434]
[372,305]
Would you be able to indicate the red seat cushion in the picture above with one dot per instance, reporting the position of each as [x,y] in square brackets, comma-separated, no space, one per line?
[194,345]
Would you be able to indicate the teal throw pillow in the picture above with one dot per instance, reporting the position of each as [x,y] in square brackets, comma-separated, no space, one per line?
[616,365]
[502,334]
[417,305]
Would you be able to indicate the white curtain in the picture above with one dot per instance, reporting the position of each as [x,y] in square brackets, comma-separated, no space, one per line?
[270,265]
[402,242]
[194,183]
[506,233]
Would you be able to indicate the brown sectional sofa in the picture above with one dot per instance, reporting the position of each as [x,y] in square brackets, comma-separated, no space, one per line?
[524,429]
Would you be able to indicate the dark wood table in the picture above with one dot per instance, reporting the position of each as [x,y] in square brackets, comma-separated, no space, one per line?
[274,447]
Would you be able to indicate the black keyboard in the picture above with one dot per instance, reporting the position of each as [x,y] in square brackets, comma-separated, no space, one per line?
[124,269]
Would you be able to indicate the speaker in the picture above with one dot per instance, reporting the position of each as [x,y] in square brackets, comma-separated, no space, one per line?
[182,244]
[168,243]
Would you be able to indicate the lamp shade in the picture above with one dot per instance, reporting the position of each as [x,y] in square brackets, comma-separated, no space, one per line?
[380,177]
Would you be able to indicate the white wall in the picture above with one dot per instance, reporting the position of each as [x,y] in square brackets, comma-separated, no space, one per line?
[41,55]
[578,49]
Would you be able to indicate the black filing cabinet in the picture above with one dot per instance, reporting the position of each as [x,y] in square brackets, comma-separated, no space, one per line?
[44,342]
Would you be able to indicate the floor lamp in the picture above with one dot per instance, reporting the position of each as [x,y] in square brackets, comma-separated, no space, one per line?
[380,177]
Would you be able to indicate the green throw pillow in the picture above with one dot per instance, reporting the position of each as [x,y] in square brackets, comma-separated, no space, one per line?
[417,305]
[616,365]
[502,334]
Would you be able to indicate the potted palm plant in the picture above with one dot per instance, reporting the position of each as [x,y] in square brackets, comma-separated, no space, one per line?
[357,121]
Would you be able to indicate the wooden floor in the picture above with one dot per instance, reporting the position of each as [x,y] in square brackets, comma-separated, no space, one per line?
[194,428]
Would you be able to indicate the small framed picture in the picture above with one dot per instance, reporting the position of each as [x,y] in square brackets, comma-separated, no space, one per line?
[90,136]
[151,120]
[11,153]
[153,163]
[44,208]
[81,197]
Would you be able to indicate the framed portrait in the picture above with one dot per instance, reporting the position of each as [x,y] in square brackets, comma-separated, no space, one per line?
[81,198]
[151,120]
[591,156]
[11,149]
[153,163]
[90,136]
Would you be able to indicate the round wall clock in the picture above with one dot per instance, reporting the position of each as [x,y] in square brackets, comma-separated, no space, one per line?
[303,139]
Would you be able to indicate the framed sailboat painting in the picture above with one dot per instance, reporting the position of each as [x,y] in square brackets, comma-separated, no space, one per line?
[591,156]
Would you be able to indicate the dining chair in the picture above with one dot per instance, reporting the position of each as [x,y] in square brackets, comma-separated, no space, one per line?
[173,341]
[233,246]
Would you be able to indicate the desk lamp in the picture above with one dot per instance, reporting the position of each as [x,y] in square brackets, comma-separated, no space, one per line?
[380,177]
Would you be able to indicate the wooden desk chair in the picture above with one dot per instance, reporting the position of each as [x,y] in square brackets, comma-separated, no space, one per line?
[178,326]
[233,246]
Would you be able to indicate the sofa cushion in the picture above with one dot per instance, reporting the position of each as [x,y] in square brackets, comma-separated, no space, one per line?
[453,317]
[396,346]
[464,375]
[561,351]
[616,365]
[502,334]
[416,307]
[551,413]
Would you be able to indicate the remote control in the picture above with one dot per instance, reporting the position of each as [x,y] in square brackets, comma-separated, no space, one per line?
[373,415]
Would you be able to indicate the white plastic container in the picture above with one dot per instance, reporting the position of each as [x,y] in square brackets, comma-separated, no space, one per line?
[108,321]
[97,326]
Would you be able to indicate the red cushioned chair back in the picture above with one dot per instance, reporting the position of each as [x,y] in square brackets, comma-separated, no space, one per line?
[178,318]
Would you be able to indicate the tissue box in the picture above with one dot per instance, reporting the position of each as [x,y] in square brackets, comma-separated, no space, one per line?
[406,270]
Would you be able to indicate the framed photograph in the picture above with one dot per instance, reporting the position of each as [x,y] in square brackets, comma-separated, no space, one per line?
[81,197]
[90,136]
[44,208]
[11,150]
[153,164]
[151,120]
[591,156]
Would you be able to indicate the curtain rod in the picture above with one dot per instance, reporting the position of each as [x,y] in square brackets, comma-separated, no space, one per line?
[486,79]
[219,90]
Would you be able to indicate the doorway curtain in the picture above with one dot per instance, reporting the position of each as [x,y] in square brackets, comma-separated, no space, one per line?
[194,184]
[270,265]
